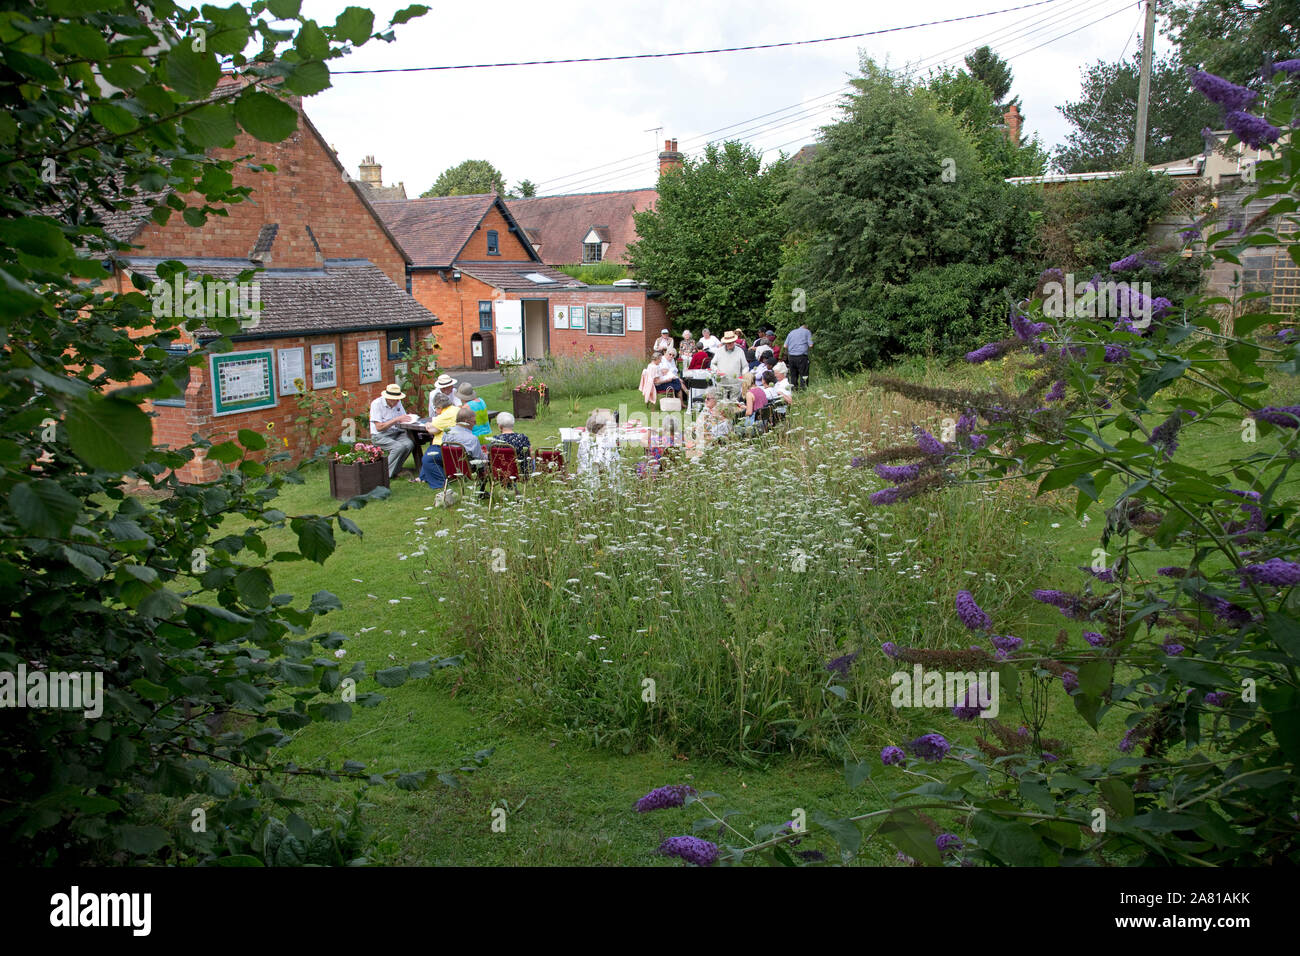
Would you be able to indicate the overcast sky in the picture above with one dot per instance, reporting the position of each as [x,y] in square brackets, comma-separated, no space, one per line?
[594,126]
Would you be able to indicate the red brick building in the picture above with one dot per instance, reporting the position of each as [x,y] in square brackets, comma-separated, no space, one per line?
[334,313]
[473,266]
[583,228]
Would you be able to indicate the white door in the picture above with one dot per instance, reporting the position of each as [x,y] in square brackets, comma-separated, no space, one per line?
[509,315]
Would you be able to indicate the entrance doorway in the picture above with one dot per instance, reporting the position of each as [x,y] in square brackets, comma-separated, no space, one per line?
[537,339]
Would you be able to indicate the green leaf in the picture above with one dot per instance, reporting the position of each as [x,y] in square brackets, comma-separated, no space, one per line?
[411,781]
[43,508]
[1011,842]
[1095,678]
[308,78]
[226,452]
[254,587]
[392,676]
[109,433]
[856,773]
[284,9]
[354,24]
[142,840]
[409,13]
[315,537]
[161,603]
[912,837]
[192,74]
[265,117]
[845,832]
[1119,795]
[211,125]
[36,236]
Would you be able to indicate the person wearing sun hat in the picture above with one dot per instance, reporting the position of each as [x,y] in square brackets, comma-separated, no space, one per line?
[386,414]
[729,364]
[445,384]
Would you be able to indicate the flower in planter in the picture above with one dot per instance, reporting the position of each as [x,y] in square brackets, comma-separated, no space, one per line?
[360,454]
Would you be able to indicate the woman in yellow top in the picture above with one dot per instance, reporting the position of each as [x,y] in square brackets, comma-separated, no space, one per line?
[444,417]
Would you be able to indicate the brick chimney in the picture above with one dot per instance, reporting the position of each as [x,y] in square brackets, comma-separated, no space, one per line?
[670,158]
[371,172]
[1012,118]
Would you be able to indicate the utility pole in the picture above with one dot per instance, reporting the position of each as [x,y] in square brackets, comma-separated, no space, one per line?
[1144,87]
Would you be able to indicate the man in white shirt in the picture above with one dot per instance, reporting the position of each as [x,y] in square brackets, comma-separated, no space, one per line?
[729,365]
[386,414]
[709,341]
[447,385]
[665,341]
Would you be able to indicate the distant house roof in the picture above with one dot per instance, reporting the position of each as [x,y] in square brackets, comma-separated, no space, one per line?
[382,193]
[342,295]
[434,231]
[514,276]
[558,224]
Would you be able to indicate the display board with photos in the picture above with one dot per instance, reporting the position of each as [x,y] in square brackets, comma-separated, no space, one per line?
[368,361]
[577,319]
[324,366]
[242,381]
[605,320]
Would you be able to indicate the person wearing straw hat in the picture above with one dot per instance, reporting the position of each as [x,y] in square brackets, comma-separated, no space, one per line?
[445,384]
[729,364]
[386,415]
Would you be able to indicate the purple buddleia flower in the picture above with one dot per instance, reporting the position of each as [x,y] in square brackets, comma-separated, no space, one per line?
[1116,354]
[948,843]
[1049,757]
[1218,698]
[1159,306]
[931,747]
[1007,643]
[977,441]
[1218,90]
[1285,333]
[1173,649]
[1093,638]
[1225,611]
[1251,129]
[1025,330]
[1187,235]
[856,462]
[928,444]
[967,422]
[986,353]
[1126,745]
[968,709]
[1068,604]
[1131,261]
[1275,572]
[1107,575]
[1284,416]
[1022,731]
[886,496]
[890,649]
[662,798]
[970,613]
[1285,66]
[898,473]
[691,849]
[1171,572]
[1070,681]
[1057,391]
[1164,437]
[811,856]
[842,664]
[892,755]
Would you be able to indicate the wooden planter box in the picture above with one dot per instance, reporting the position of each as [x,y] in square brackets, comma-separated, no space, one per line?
[525,403]
[348,481]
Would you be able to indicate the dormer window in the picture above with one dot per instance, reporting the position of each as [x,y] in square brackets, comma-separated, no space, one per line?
[493,247]
[594,246]
[590,252]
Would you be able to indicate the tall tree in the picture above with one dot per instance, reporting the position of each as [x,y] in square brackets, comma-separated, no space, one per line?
[970,101]
[526,189]
[1231,38]
[902,238]
[466,179]
[1104,116]
[991,70]
[712,244]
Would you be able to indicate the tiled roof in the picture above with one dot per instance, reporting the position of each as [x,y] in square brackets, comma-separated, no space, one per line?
[513,276]
[434,230]
[561,222]
[341,294]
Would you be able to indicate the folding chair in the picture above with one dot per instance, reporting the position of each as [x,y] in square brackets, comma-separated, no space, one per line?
[503,466]
[455,463]
[549,461]
[695,383]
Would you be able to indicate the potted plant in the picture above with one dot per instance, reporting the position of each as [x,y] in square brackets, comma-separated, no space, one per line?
[357,471]
[526,396]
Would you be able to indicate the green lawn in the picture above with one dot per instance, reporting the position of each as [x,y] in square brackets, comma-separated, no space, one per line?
[569,802]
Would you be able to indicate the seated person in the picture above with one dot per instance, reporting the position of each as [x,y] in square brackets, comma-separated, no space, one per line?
[713,422]
[666,379]
[431,471]
[783,388]
[764,363]
[755,401]
[700,359]
[688,346]
[444,416]
[520,443]
[598,450]
[469,399]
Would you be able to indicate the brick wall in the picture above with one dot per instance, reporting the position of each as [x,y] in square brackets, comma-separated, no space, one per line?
[580,342]
[512,250]
[308,189]
[456,304]
[174,426]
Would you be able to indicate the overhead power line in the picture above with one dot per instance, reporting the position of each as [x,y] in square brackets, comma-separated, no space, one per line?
[729,49]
